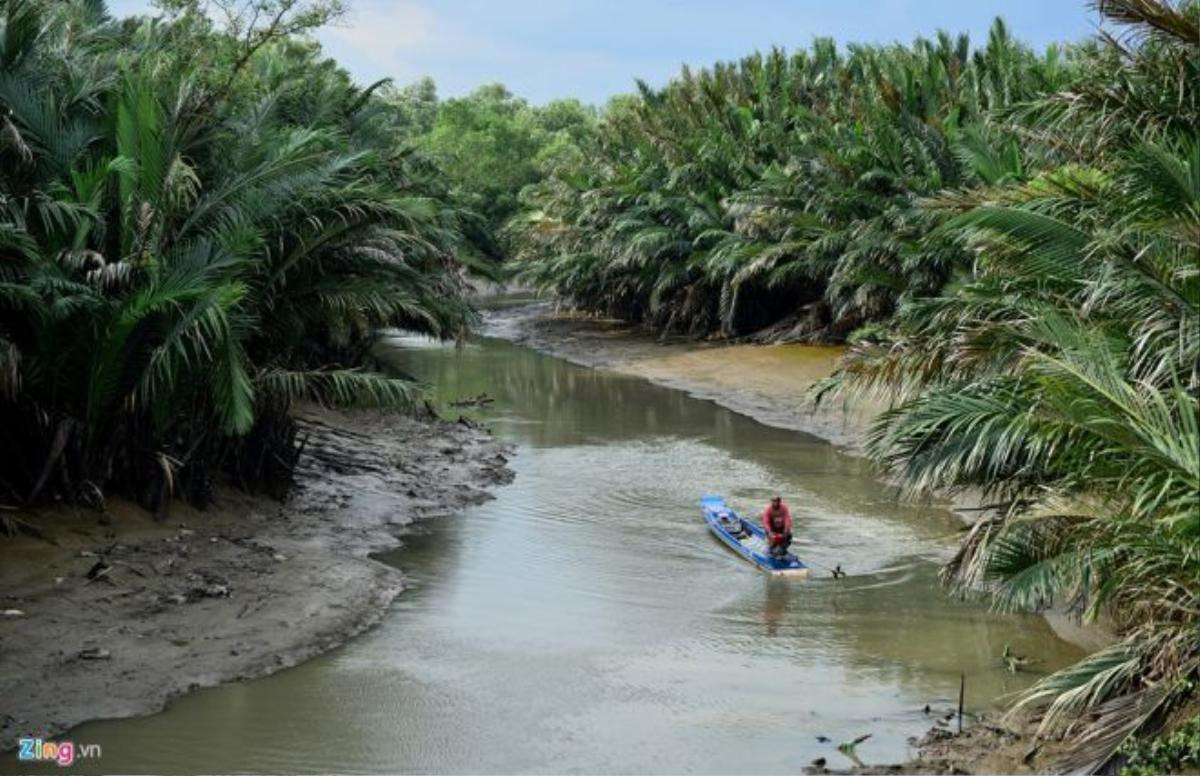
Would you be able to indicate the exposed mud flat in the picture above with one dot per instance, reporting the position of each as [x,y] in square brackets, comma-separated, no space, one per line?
[987,746]
[770,383]
[123,613]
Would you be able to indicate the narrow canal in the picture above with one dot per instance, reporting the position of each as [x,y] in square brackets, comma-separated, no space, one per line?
[584,621]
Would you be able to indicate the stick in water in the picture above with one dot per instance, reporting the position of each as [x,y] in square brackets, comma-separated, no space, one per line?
[836,571]
[962,683]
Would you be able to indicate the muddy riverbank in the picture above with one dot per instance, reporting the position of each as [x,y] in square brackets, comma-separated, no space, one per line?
[989,745]
[122,613]
[769,383]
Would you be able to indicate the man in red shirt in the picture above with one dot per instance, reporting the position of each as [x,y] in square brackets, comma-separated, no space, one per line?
[777,522]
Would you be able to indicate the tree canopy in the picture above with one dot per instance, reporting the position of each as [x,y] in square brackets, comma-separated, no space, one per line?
[491,144]
[198,224]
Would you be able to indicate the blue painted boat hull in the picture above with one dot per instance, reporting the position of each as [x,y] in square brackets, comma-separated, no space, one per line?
[747,539]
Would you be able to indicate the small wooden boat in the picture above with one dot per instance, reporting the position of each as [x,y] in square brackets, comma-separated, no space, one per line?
[747,539]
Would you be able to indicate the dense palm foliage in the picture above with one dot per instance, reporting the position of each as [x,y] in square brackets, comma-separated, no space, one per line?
[188,243]
[1011,242]
[781,189]
[198,227]
[1061,375]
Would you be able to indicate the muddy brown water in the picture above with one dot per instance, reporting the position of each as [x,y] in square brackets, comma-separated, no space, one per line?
[585,621]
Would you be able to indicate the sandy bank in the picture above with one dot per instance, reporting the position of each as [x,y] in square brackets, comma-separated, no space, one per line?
[123,613]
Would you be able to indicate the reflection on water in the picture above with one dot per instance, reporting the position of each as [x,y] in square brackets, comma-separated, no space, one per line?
[584,621]
[775,604]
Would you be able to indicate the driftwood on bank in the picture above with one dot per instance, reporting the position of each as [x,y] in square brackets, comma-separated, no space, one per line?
[474,401]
